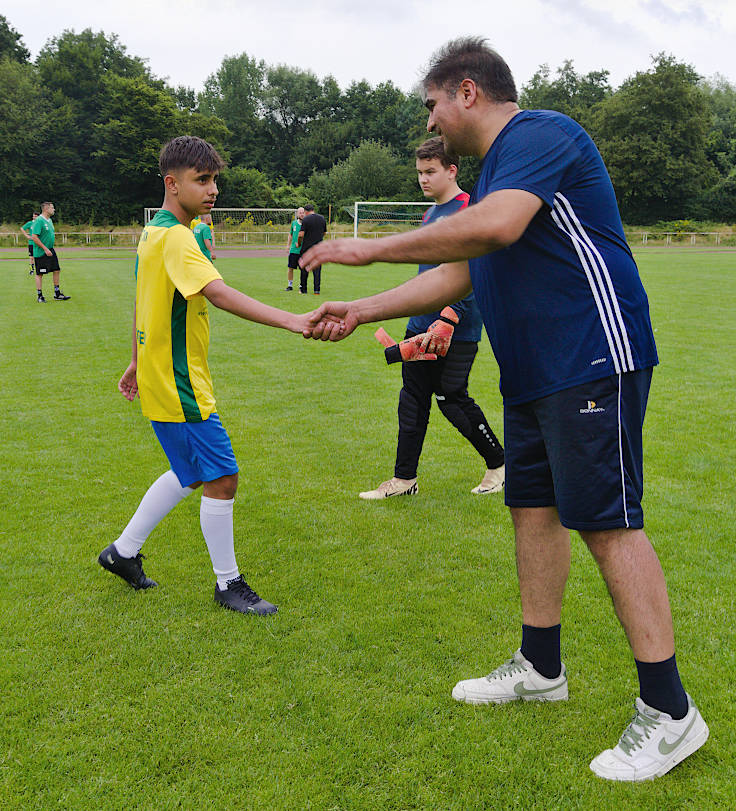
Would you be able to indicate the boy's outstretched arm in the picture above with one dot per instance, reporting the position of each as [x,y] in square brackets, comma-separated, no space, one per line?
[237,303]
[424,293]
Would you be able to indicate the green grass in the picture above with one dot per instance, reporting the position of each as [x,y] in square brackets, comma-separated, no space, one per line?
[117,699]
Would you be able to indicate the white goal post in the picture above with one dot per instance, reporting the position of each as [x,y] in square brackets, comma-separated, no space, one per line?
[388,215]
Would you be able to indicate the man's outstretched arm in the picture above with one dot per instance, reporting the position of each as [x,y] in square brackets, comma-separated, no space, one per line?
[424,293]
[495,222]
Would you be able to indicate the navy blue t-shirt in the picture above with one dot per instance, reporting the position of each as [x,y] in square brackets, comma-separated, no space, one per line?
[470,326]
[564,304]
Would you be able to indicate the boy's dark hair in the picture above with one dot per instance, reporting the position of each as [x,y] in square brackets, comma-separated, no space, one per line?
[471,58]
[435,148]
[309,207]
[36,214]
[46,205]
[189,152]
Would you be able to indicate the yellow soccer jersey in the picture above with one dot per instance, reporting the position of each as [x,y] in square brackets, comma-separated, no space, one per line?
[172,326]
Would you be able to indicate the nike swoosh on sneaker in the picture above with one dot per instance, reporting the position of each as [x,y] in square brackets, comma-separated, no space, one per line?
[665,748]
[110,560]
[520,690]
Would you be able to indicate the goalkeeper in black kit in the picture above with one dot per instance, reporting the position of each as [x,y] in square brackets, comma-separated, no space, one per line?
[444,345]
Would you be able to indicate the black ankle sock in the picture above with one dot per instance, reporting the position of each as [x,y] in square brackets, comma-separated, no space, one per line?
[660,687]
[541,646]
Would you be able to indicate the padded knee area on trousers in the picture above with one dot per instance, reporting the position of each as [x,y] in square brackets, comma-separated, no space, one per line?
[411,412]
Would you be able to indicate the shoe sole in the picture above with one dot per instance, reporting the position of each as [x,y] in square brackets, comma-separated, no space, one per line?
[677,757]
[249,613]
[478,491]
[367,495]
[477,702]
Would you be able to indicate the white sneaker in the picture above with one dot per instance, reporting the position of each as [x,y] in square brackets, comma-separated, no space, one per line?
[515,680]
[393,487]
[652,744]
[492,482]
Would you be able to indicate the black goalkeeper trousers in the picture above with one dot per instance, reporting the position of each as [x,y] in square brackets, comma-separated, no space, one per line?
[447,379]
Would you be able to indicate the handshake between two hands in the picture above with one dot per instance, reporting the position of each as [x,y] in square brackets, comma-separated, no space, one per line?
[434,343]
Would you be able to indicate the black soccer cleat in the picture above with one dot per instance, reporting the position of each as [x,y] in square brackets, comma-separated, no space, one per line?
[130,569]
[40,299]
[239,596]
[59,296]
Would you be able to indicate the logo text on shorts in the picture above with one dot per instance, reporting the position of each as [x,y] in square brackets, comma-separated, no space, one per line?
[592,408]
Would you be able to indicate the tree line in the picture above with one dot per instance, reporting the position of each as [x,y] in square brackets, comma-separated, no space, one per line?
[83,123]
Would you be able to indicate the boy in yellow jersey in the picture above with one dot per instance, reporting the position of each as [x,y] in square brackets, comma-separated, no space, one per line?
[168,370]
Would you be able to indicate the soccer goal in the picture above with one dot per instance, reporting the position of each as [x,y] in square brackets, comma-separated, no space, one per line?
[386,216]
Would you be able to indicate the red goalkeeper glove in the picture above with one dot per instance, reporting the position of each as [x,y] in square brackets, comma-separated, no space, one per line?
[407,350]
[437,338]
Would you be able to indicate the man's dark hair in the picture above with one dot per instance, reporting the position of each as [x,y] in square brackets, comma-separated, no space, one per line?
[435,148]
[189,152]
[309,207]
[471,58]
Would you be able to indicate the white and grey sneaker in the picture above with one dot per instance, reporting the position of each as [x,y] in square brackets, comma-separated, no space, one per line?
[393,487]
[652,744]
[515,680]
[492,482]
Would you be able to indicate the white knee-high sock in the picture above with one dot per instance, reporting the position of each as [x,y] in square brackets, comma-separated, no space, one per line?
[160,499]
[216,519]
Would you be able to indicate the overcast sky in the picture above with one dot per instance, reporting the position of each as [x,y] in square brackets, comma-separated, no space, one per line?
[380,40]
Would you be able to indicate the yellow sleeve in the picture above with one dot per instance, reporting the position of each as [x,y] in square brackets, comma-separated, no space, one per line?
[185,264]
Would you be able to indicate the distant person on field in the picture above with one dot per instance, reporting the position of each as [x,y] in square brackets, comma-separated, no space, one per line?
[312,232]
[204,236]
[26,231]
[294,249]
[168,370]
[44,255]
[447,377]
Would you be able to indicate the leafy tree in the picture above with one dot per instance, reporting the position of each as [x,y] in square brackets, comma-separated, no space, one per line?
[652,134]
[234,94]
[11,43]
[136,119]
[33,155]
[76,66]
[242,187]
[371,172]
[721,142]
[717,204]
[292,99]
[569,92]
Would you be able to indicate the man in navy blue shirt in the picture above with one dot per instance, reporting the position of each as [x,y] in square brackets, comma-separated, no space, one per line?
[446,377]
[542,247]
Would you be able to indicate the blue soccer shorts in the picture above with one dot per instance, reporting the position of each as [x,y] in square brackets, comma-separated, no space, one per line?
[580,450]
[197,451]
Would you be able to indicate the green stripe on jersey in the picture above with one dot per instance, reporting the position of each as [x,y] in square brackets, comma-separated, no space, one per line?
[179,363]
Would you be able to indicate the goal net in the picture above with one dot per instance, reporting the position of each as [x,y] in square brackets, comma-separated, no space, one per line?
[257,226]
[372,218]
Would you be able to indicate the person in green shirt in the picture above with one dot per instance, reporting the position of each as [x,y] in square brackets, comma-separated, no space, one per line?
[204,236]
[294,249]
[45,258]
[25,230]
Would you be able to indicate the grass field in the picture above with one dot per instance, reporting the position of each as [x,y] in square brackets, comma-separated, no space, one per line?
[118,699]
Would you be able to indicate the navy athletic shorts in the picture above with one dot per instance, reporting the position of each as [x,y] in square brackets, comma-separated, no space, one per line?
[197,451]
[580,450]
[293,261]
